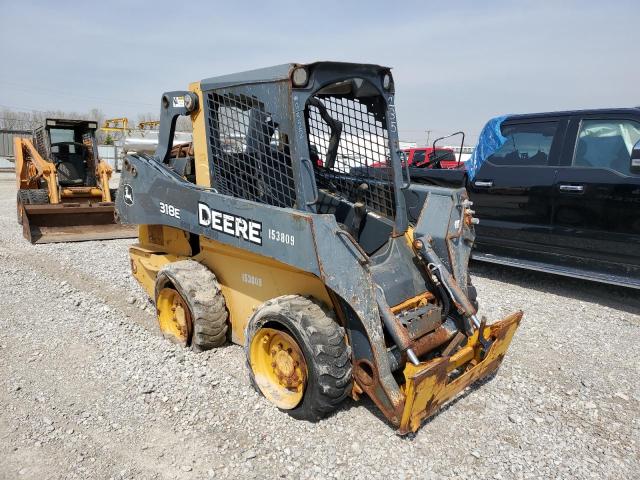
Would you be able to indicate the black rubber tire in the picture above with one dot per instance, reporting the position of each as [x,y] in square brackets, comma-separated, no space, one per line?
[22,198]
[30,197]
[38,196]
[322,341]
[114,192]
[200,289]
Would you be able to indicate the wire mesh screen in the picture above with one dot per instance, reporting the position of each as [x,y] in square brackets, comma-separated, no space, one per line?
[353,148]
[251,156]
[87,141]
[40,142]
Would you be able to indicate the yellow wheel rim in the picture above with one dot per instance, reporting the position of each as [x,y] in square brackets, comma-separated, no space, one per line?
[279,367]
[173,316]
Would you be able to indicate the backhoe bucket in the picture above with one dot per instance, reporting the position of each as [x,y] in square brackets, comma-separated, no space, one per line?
[431,384]
[73,222]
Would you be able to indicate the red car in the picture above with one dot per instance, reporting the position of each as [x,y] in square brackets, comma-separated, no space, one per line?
[427,157]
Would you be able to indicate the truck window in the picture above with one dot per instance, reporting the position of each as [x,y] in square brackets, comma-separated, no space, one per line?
[418,156]
[606,144]
[527,144]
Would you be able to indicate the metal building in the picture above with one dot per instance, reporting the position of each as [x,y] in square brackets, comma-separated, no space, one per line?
[6,146]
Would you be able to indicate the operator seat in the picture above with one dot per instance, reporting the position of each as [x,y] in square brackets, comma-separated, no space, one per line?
[69,164]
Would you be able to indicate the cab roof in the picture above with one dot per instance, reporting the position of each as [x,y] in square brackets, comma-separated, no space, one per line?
[69,123]
[279,73]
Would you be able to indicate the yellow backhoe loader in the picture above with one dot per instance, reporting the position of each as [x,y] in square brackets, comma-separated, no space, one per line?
[63,187]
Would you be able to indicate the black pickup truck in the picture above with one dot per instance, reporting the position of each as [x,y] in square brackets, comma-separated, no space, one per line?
[562,195]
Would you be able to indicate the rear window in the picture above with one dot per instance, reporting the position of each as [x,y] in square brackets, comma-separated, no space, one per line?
[418,156]
[526,144]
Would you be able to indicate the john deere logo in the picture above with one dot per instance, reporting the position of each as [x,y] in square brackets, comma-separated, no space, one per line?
[128,194]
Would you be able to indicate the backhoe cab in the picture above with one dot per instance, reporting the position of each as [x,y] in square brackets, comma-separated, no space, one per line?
[275,230]
[63,187]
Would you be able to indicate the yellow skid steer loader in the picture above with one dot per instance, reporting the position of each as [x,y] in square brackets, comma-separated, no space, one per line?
[285,228]
[63,187]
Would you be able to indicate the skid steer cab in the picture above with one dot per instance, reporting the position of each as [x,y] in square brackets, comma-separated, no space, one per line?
[63,187]
[275,230]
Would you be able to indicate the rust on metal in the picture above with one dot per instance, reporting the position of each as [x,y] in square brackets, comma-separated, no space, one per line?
[432,340]
[428,385]
[182,150]
[417,301]
[367,378]
[453,344]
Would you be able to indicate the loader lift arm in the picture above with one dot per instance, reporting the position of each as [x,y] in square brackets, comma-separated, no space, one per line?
[30,166]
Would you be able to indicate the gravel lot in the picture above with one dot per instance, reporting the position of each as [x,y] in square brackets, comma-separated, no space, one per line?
[88,389]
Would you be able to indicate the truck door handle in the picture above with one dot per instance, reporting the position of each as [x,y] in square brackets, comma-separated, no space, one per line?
[481,184]
[572,188]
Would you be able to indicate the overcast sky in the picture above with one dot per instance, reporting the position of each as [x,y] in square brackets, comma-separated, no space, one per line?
[455,63]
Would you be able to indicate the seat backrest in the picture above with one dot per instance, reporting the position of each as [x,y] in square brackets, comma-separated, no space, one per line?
[604,152]
[70,164]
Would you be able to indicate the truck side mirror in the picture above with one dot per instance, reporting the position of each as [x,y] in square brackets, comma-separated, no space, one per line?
[635,158]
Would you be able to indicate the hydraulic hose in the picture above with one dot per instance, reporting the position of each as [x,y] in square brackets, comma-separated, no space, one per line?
[455,293]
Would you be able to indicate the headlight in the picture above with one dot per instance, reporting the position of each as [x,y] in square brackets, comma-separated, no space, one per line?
[387,81]
[300,77]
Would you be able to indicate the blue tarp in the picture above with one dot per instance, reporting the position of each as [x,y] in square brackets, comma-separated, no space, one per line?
[490,140]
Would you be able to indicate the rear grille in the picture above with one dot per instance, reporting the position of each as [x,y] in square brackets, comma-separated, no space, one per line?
[250,155]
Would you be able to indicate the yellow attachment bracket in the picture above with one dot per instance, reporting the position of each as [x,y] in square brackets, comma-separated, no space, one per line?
[103,172]
[431,384]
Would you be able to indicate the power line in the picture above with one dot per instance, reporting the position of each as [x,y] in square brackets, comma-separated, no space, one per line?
[69,94]
[22,109]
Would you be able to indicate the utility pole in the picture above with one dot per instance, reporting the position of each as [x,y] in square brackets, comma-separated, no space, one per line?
[428,136]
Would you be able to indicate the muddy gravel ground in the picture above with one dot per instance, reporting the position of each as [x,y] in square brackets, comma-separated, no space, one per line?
[88,388]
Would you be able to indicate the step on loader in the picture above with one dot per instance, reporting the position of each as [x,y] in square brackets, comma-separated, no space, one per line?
[273,230]
[63,187]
